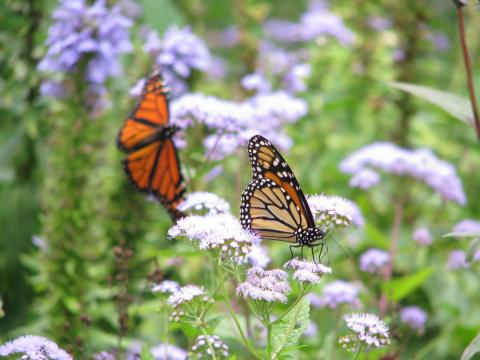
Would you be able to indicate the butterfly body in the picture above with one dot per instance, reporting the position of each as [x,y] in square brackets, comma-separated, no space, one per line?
[273,204]
[152,162]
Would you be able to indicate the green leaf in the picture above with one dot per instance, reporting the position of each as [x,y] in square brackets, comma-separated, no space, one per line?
[463,234]
[287,331]
[472,348]
[399,288]
[146,354]
[457,106]
[159,14]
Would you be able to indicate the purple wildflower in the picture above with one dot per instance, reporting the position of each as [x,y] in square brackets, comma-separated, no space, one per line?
[294,79]
[374,260]
[367,329]
[188,301]
[476,256]
[34,347]
[379,23]
[420,164]
[203,344]
[312,330]
[104,355]
[221,234]
[457,259]
[168,352]
[257,82]
[422,236]
[334,211]
[440,41]
[206,202]
[95,33]
[307,272]
[177,55]
[265,285]
[335,294]
[467,226]
[414,317]
[53,89]
[365,179]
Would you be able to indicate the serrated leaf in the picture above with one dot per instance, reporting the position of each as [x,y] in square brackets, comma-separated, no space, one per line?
[457,106]
[287,331]
[472,348]
[399,288]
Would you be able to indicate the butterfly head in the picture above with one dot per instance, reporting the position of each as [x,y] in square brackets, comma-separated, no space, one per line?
[166,132]
[309,236]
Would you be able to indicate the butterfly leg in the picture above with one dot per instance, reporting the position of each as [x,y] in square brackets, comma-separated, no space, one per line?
[293,246]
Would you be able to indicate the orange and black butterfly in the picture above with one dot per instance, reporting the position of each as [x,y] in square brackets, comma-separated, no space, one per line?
[273,204]
[152,162]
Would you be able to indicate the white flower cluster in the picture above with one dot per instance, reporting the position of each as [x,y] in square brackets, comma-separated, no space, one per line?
[201,348]
[221,232]
[205,202]
[334,211]
[306,271]
[166,286]
[34,347]
[183,297]
[367,329]
[265,285]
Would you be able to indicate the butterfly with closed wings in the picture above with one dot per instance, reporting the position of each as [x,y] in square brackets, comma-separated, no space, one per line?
[152,162]
[273,204]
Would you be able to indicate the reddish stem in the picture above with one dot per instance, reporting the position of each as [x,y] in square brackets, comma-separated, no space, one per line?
[468,68]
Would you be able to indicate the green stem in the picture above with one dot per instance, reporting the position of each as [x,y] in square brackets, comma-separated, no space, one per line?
[290,308]
[207,339]
[269,342]
[233,316]
[358,352]
[335,332]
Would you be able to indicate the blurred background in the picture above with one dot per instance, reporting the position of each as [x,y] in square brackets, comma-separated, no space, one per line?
[80,248]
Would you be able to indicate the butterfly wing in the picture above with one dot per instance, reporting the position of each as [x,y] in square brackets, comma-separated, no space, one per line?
[149,114]
[267,163]
[152,163]
[268,210]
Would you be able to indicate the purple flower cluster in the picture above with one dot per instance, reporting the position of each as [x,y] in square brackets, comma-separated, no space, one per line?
[316,21]
[166,286]
[414,317]
[265,285]
[221,234]
[188,301]
[34,347]
[367,329]
[420,164]
[422,236]
[374,261]
[467,226]
[307,272]
[80,32]
[177,55]
[234,123]
[258,256]
[335,294]
[457,259]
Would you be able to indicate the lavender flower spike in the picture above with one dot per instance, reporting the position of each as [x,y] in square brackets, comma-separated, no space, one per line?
[34,348]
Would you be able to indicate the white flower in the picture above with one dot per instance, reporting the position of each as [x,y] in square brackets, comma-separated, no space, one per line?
[334,211]
[203,344]
[166,286]
[258,256]
[185,294]
[366,329]
[221,233]
[306,271]
[205,201]
[34,347]
[168,352]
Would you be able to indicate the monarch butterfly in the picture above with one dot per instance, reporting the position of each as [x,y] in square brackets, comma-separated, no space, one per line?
[273,204]
[152,162]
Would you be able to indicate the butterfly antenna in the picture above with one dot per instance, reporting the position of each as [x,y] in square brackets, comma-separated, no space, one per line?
[341,248]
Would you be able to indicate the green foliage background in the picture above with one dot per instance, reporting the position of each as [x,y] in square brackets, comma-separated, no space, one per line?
[61,176]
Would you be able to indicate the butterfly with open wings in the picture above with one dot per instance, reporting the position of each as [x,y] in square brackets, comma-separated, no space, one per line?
[152,162]
[273,204]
